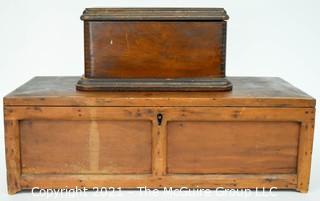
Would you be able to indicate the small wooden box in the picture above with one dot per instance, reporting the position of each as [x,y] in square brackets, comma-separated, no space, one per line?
[259,135]
[154,49]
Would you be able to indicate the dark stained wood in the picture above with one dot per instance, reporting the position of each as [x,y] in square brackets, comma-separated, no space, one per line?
[226,147]
[134,44]
[247,91]
[154,49]
[144,85]
[120,14]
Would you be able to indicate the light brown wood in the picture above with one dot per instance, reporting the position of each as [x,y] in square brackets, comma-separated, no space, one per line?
[238,114]
[305,153]
[228,147]
[119,147]
[159,148]
[80,113]
[282,181]
[150,113]
[44,143]
[247,91]
[258,135]
[125,147]
[12,140]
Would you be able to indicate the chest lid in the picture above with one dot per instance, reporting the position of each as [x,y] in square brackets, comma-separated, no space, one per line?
[247,92]
[102,14]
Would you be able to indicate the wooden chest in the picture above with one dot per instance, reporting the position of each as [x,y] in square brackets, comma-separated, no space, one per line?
[155,49]
[258,135]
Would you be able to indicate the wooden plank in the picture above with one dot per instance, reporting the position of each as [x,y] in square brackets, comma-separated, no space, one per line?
[149,113]
[93,146]
[281,181]
[237,114]
[159,143]
[12,155]
[80,113]
[305,155]
[247,91]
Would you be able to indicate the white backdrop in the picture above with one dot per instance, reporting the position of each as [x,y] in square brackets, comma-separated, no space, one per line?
[265,38]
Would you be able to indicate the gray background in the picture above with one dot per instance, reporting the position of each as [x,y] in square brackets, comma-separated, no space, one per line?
[265,38]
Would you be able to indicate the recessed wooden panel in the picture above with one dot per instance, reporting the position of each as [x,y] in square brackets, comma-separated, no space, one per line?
[85,146]
[153,49]
[125,147]
[232,147]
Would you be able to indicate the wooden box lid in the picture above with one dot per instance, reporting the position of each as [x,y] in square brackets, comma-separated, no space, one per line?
[247,92]
[97,14]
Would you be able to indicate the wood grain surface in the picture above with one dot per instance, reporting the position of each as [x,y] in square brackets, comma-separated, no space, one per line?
[126,49]
[259,135]
[229,147]
[247,91]
[82,147]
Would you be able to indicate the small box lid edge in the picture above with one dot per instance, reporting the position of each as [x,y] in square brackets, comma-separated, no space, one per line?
[174,14]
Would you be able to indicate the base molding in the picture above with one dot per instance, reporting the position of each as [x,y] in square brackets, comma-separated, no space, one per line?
[213,181]
[179,84]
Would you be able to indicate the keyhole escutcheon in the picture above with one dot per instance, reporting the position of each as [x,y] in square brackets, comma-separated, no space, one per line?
[159,118]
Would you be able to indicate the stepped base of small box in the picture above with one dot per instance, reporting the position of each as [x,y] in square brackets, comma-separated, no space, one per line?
[199,84]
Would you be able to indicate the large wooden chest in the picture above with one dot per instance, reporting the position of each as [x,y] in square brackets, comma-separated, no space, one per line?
[258,135]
